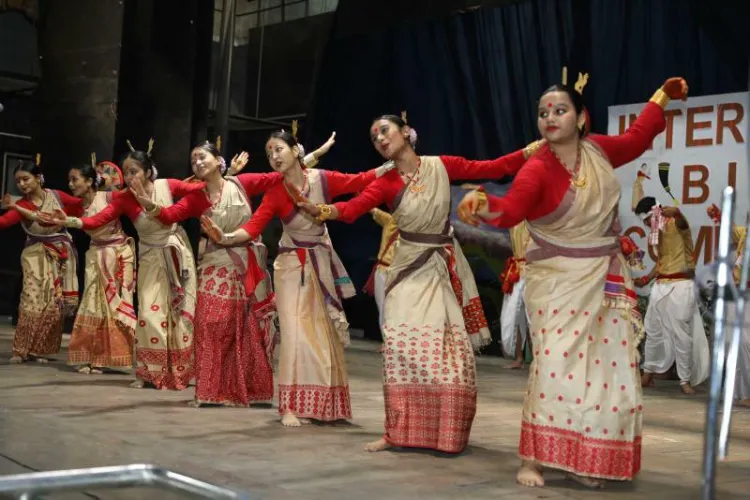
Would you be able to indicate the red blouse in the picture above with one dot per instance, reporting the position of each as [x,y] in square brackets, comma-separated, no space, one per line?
[541,184]
[385,189]
[123,202]
[197,202]
[70,205]
[278,202]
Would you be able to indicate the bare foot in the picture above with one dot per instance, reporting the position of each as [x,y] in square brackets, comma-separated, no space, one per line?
[304,421]
[138,384]
[530,475]
[588,482]
[96,371]
[84,370]
[515,365]
[42,361]
[290,420]
[687,389]
[16,360]
[745,403]
[647,380]
[379,445]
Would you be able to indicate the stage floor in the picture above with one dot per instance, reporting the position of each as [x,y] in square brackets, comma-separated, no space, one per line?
[53,418]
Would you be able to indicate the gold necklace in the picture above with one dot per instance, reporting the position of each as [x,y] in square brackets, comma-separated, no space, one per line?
[578,181]
[414,181]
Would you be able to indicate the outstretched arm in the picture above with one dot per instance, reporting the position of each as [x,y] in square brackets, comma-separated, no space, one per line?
[71,204]
[252,228]
[348,211]
[255,184]
[311,159]
[112,212]
[180,188]
[624,148]
[459,168]
[509,210]
[338,183]
[10,218]
[191,205]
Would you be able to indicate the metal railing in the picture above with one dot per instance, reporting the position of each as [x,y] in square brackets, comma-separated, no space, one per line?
[29,486]
[726,350]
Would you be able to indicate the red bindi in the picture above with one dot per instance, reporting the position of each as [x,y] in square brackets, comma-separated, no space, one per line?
[549,104]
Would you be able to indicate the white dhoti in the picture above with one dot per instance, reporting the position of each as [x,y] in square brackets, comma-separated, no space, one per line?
[742,384]
[379,292]
[674,332]
[513,316]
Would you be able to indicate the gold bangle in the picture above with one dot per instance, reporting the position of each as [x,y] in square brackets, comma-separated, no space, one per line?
[482,197]
[154,212]
[661,98]
[530,149]
[325,212]
[310,160]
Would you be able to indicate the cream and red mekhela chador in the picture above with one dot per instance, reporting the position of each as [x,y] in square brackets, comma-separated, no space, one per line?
[310,282]
[104,327]
[166,284]
[50,282]
[433,318]
[234,330]
[513,316]
[583,407]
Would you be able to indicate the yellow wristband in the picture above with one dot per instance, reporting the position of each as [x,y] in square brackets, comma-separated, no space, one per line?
[482,197]
[661,98]
[325,212]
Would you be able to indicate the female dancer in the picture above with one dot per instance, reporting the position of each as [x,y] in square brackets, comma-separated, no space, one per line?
[104,327]
[234,329]
[310,283]
[166,278]
[582,411]
[50,282]
[433,315]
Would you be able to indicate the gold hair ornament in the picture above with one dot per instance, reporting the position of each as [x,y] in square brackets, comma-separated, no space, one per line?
[218,143]
[295,127]
[583,79]
[150,147]
[39,159]
[93,161]
[130,145]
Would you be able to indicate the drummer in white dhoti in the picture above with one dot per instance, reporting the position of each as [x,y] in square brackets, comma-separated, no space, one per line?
[674,329]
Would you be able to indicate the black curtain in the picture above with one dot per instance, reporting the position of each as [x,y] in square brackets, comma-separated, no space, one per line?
[469,81]
[637,44]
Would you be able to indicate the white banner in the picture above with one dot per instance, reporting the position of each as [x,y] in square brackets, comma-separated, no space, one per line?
[702,151]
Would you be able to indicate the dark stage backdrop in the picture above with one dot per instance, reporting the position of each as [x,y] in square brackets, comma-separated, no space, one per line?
[470,80]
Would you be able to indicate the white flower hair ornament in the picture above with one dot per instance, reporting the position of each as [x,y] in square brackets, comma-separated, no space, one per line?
[412,137]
